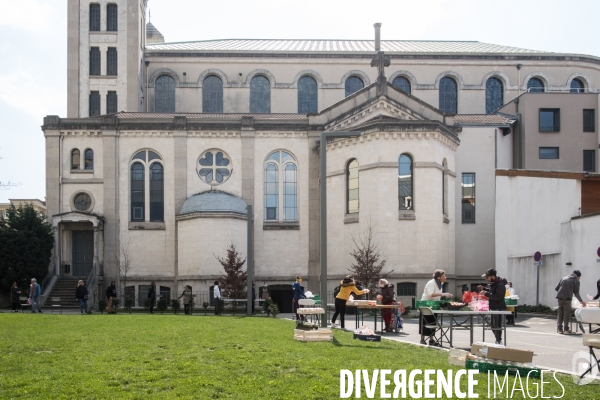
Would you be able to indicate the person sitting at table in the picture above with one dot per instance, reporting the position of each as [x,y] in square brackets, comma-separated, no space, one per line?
[433,291]
[347,286]
[387,297]
[597,296]
[495,293]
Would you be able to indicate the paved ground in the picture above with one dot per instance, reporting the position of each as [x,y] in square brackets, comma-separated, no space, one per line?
[530,333]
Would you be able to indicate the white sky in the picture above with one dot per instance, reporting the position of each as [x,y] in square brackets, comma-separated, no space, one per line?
[33,45]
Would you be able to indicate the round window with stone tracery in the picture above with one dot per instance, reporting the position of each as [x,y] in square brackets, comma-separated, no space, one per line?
[214,167]
[82,202]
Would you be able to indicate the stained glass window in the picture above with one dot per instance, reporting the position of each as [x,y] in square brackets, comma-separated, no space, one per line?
[405,182]
[353,84]
[352,184]
[260,95]
[401,83]
[448,96]
[212,95]
[94,17]
[164,94]
[157,202]
[111,17]
[214,167]
[535,85]
[307,95]
[577,86]
[494,95]
[137,192]
[89,159]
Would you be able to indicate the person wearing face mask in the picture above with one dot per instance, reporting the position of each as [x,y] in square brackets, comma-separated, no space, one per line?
[387,297]
[510,320]
[433,291]
[495,292]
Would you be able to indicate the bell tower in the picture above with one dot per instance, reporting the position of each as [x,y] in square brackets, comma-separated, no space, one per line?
[105,56]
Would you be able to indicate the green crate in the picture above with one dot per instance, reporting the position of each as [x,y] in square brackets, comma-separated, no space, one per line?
[511,302]
[433,304]
[483,366]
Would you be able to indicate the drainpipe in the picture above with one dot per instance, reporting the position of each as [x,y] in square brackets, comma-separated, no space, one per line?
[147,63]
[519,79]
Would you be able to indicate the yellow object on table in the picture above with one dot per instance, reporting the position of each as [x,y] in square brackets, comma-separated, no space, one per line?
[509,308]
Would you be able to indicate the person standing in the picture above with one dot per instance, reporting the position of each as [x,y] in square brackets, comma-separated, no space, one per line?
[217,296]
[387,297]
[187,296]
[432,291]
[298,294]
[566,289]
[495,294]
[347,286]
[35,293]
[111,294]
[14,296]
[152,296]
[81,294]
[597,296]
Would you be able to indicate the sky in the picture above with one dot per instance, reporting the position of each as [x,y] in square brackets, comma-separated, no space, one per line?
[33,47]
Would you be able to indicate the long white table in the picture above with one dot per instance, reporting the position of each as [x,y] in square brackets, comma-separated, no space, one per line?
[467,323]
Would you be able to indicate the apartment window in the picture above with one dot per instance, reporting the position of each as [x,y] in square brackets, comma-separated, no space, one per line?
[548,153]
[353,84]
[111,17]
[94,17]
[95,61]
[401,83]
[111,102]
[94,103]
[468,198]
[589,120]
[549,120]
[111,61]
[448,96]
[589,160]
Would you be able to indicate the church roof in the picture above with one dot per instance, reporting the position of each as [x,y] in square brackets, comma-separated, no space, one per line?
[341,46]
[214,201]
[483,119]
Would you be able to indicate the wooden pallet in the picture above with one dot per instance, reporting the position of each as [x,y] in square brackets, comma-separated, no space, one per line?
[321,335]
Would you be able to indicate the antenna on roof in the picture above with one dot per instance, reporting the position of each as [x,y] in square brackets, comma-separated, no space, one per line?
[377,36]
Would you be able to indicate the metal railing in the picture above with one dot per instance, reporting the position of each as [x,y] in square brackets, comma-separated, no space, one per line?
[92,286]
[48,277]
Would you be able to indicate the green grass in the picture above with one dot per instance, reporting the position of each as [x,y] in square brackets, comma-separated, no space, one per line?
[178,356]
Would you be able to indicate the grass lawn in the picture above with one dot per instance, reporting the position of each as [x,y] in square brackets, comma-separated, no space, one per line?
[178,356]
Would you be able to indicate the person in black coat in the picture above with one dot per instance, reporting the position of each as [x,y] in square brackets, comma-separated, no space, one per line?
[111,294]
[152,296]
[495,293]
[14,296]
[81,294]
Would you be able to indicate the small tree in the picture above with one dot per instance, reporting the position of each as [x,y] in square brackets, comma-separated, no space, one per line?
[102,306]
[123,260]
[162,305]
[232,284]
[26,243]
[367,265]
[175,305]
[128,304]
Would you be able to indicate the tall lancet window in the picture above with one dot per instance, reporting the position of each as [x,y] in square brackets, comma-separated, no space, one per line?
[405,182]
[281,176]
[352,187]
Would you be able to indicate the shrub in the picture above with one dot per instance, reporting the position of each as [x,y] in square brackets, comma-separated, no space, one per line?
[274,310]
[175,305]
[266,304]
[162,305]
[102,306]
[147,304]
[541,309]
[115,304]
[205,306]
[129,304]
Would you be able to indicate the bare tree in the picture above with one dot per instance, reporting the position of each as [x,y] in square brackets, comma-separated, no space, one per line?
[124,261]
[368,263]
[6,185]
[233,282]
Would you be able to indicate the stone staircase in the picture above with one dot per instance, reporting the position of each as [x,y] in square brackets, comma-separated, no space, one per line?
[65,289]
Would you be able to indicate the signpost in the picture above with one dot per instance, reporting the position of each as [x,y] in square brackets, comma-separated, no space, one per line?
[537,257]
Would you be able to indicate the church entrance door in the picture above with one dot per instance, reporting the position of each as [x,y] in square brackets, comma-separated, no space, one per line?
[83,253]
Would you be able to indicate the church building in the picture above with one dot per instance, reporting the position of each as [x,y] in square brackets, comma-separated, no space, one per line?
[164,145]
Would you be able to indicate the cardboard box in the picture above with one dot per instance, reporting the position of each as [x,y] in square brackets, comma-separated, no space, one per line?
[506,354]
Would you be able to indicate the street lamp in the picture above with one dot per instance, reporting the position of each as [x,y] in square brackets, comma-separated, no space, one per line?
[323,188]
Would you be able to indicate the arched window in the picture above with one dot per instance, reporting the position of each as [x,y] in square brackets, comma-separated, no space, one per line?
[535,85]
[577,86]
[281,163]
[352,187]
[307,95]
[448,96]
[494,95]
[137,192]
[164,94]
[89,159]
[157,201]
[401,83]
[353,84]
[260,95]
[405,182]
[147,187]
[75,159]
[212,95]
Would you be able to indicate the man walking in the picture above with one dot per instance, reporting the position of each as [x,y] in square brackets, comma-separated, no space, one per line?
[217,296]
[495,294]
[566,289]
[35,294]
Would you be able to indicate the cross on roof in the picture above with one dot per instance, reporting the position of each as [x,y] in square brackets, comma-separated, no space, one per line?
[380,61]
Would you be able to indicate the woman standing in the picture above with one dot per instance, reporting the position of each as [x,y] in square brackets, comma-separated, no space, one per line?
[347,286]
[81,294]
[187,296]
[386,297]
[152,296]
[432,291]
[14,296]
